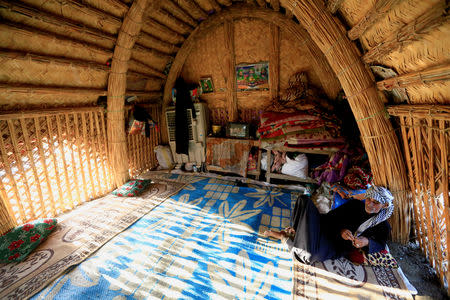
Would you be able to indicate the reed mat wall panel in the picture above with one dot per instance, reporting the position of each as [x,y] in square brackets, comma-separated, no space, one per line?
[52,161]
[136,66]
[218,116]
[426,140]
[35,100]
[192,8]
[154,84]
[430,50]
[48,74]
[150,59]
[399,15]
[150,41]
[141,154]
[253,99]
[115,8]
[251,40]
[40,20]
[161,31]
[174,24]
[251,116]
[205,5]
[78,13]
[431,93]
[207,59]
[295,58]
[21,39]
[136,83]
[354,10]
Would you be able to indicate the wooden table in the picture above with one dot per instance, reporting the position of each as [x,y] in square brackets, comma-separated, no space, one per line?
[227,163]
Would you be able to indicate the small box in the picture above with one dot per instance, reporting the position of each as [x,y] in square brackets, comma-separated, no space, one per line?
[238,130]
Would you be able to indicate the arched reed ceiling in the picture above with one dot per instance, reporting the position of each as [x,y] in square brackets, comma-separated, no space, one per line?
[117,83]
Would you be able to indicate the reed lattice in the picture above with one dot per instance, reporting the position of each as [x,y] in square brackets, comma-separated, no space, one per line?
[52,161]
[425,130]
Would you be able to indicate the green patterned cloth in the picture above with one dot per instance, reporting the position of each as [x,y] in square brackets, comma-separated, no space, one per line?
[16,244]
[132,188]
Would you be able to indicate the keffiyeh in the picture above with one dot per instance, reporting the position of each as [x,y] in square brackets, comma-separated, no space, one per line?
[384,196]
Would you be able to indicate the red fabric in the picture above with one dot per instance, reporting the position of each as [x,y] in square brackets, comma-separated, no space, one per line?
[273,118]
[356,257]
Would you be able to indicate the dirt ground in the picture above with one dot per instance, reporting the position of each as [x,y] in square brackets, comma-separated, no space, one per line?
[418,271]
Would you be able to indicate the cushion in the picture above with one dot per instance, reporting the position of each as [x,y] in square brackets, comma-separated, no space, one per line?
[132,188]
[18,243]
[382,259]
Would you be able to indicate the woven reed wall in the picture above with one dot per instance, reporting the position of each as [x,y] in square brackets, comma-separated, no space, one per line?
[52,161]
[426,139]
[141,155]
[252,39]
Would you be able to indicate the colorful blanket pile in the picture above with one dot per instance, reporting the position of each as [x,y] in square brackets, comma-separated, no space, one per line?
[303,129]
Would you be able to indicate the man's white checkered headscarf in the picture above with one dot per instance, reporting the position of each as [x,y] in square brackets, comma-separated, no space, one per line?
[382,195]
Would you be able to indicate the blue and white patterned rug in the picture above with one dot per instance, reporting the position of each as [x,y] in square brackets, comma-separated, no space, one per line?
[202,243]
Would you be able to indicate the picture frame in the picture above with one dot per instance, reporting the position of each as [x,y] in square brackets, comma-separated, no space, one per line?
[206,84]
[252,76]
[238,130]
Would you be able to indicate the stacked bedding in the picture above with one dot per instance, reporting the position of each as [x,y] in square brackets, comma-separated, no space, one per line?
[308,129]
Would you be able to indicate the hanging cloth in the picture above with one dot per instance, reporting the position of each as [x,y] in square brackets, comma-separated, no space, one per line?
[183,103]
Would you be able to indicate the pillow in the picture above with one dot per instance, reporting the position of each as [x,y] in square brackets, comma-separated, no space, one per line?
[132,188]
[382,259]
[18,243]
[379,259]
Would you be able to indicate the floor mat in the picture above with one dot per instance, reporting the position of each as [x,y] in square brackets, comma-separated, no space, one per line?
[79,234]
[341,279]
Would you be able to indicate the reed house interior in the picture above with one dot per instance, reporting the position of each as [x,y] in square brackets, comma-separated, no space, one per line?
[222,149]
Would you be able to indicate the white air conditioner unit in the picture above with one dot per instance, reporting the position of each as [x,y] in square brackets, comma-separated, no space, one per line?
[197,134]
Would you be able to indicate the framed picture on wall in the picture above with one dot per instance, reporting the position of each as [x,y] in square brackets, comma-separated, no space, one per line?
[252,76]
[206,84]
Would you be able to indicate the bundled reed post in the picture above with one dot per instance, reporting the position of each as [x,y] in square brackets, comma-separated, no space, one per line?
[358,83]
[117,81]
[7,221]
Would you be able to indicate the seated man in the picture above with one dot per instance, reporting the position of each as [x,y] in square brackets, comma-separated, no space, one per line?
[355,224]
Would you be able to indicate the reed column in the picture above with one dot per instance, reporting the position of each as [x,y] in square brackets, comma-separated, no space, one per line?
[117,82]
[6,219]
[379,139]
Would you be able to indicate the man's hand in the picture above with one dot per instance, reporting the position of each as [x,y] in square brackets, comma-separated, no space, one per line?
[347,235]
[360,242]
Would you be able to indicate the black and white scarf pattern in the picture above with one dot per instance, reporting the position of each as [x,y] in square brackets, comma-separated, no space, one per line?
[382,195]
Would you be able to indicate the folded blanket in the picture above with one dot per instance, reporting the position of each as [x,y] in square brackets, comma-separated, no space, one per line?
[273,118]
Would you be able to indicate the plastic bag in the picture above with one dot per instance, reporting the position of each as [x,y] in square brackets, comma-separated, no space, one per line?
[264,161]
[297,167]
[164,156]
